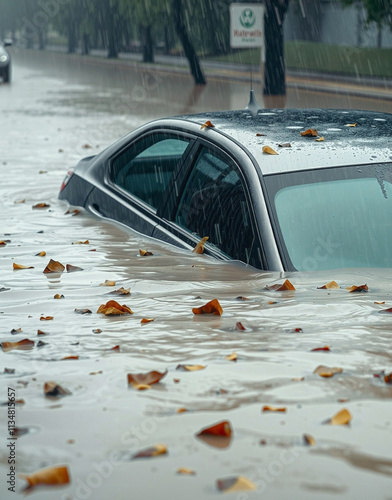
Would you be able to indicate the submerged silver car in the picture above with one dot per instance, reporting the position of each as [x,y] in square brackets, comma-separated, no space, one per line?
[5,61]
[275,189]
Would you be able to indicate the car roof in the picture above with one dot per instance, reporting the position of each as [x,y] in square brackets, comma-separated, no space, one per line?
[368,142]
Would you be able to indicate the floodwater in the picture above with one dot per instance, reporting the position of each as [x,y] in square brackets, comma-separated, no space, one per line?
[50,118]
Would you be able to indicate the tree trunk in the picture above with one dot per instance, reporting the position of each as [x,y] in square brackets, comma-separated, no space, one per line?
[189,50]
[86,44]
[274,70]
[379,36]
[41,40]
[147,44]
[71,38]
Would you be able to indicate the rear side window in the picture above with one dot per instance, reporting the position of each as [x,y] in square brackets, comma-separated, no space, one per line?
[145,169]
[214,204]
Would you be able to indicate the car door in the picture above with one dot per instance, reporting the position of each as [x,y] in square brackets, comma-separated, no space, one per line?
[212,199]
[135,188]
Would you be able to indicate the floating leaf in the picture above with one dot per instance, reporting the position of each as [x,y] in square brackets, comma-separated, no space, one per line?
[309,440]
[46,318]
[386,311]
[48,476]
[269,151]
[319,139]
[351,124]
[190,368]
[115,348]
[357,289]
[284,145]
[97,330]
[176,380]
[142,387]
[14,331]
[241,297]
[145,253]
[69,357]
[260,135]
[154,451]
[342,417]
[3,243]
[298,379]
[73,212]
[327,371]
[73,269]
[149,378]
[207,124]
[232,357]
[199,248]
[325,348]
[310,132]
[146,320]
[22,344]
[82,311]
[58,296]
[185,470]
[85,242]
[388,378]
[40,205]
[20,201]
[121,291]
[287,285]
[54,266]
[239,326]
[20,266]
[86,146]
[40,332]
[281,409]
[212,307]
[220,429]
[328,286]
[53,390]
[108,283]
[380,303]
[235,483]
[113,308]
[41,254]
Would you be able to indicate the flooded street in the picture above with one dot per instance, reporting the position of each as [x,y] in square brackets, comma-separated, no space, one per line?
[52,115]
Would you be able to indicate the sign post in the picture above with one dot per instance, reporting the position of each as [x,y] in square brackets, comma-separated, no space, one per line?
[247,29]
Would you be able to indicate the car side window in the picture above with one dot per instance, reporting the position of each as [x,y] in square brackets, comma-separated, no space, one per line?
[214,204]
[144,170]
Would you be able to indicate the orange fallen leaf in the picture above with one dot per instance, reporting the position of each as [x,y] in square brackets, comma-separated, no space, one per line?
[199,248]
[232,357]
[342,417]
[52,390]
[73,269]
[220,429]
[69,357]
[115,348]
[97,330]
[58,296]
[358,289]
[73,212]
[212,307]
[386,311]
[20,266]
[236,483]
[16,330]
[181,410]
[241,297]
[121,291]
[46,318]
[48,476]
[146,320]
[158,449]
[190,368]
[85,242]
[113,308]
[22,344]
[309,440]
[327,371]
[380,303]
[310,132]
[142,387]
[86,146]
[185,470]
[145,253]
[320,139]
[176,380]
[207,124]
[41,254]
[281,409]
[325,348]
[20,201]
[269,151]
[260,135]
[287,285]
[388,378]
[41,205]
[148,378]
[54,266]
[40,332]
[108,283]
[239,326]
[351,124]
[328,286]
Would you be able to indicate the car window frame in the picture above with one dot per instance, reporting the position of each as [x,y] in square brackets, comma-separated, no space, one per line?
[178,185]
[129,197]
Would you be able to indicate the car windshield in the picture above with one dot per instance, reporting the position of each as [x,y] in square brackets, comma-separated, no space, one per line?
[334,218]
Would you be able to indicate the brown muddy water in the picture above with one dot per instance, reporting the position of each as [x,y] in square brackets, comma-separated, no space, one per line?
[47,121]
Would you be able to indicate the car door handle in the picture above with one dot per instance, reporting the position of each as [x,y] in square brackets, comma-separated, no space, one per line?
[94,208]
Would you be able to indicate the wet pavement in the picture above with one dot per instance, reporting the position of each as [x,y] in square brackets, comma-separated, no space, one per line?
[57,110]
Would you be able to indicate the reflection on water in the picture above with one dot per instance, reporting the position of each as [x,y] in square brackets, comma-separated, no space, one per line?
[103,418]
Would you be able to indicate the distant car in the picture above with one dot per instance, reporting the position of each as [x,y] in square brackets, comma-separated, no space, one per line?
[5,61]
[324,201]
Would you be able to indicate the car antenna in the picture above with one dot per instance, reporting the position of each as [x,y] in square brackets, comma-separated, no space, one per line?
[253,106]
